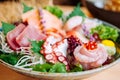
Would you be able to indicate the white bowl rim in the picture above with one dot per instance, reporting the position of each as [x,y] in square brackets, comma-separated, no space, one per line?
[61,74]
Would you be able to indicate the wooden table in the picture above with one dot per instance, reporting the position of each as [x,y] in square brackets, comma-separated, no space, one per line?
[112,73]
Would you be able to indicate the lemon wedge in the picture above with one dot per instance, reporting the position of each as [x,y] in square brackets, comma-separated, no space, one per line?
[108,43]
[109,46]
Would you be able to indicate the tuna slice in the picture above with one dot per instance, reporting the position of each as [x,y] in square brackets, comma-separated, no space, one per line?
[11,36]
[29,33]
[50,21]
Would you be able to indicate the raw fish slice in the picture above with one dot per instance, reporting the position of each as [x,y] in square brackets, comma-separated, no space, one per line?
[29,33]
[11,36]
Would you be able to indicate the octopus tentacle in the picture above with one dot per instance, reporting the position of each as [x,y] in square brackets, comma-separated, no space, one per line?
[47,50]
[60,50]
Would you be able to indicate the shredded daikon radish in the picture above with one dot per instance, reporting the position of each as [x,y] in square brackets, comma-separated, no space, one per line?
[28,60]
[24,50]
[4,46]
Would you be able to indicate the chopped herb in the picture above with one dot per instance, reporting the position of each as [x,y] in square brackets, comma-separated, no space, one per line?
[6,27]
[26,8]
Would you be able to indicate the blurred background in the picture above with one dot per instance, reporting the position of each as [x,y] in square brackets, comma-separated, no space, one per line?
[11,10]
[66,2]
[107,10]
[58,2]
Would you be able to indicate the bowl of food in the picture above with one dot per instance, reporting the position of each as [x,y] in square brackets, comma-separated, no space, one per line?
[47,44]
[107,10]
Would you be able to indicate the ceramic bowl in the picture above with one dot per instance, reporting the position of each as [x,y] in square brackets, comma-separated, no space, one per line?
[100,13]
[60,76]
[63,76]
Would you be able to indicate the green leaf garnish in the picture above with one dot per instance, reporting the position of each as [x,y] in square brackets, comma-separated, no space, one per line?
[47,67]
[58,68]
[11,58]
[76,12]
[36,46]
[77,68]
[105,32]
[6,27]
[118,41]
[54,10]
[42,67]
[26,8]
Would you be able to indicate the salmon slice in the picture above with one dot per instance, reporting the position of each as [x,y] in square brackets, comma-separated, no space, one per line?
[29,33]
[33,18]
[42,19]
[11,36]
[36,20]
[50,21]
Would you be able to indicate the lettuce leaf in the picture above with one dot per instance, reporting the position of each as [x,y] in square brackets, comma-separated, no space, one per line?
[42,67]
[54,10]
[11,58]
[52,68]
[58,68]
[106,32]
[6,27]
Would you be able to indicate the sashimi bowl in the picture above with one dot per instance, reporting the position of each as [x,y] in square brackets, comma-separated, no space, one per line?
[47,44]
